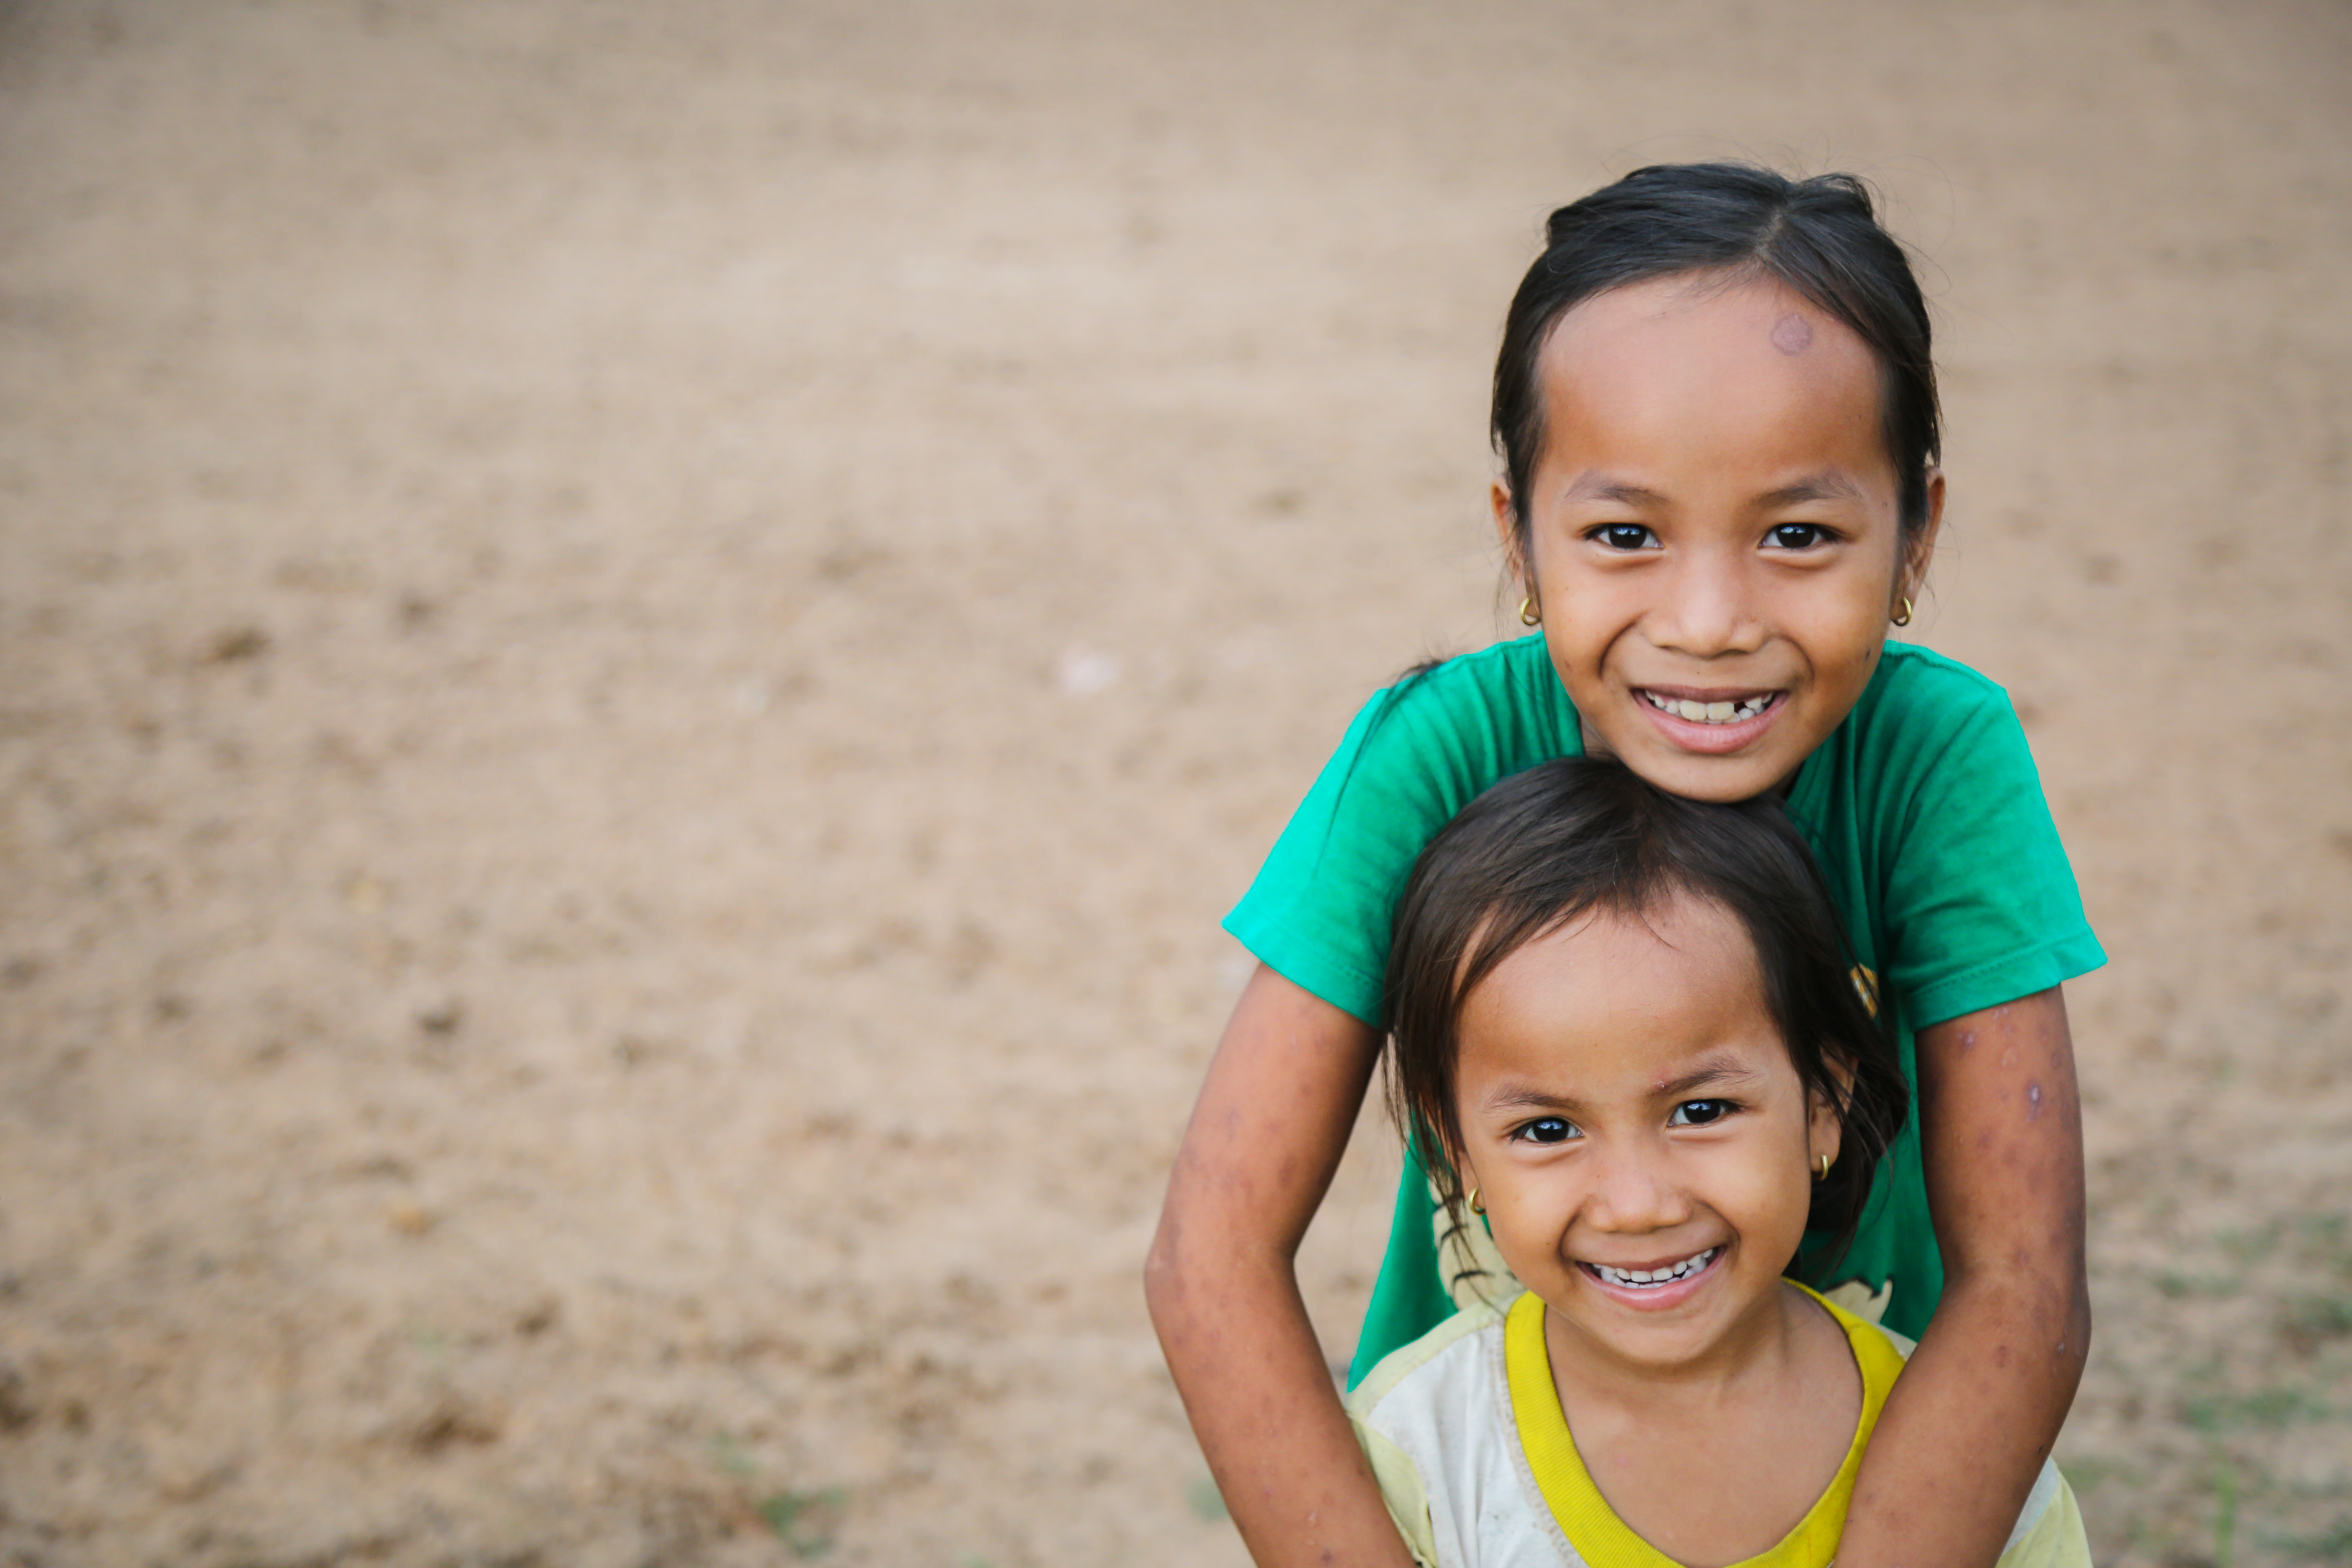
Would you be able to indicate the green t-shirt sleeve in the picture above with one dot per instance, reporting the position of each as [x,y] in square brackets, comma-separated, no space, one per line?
[1318,913]
[1980,904]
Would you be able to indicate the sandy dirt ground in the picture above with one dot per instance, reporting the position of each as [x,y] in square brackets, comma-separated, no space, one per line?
[640,644]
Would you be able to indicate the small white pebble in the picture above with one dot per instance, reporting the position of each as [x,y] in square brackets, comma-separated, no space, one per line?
[1083,671]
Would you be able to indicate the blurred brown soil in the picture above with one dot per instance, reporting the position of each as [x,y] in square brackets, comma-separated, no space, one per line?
[642,642]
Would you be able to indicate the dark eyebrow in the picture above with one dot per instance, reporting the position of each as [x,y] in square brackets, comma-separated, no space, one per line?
[1708,1074]
[1709,1077]
[1527,1097]
[1591,486]
[1827,484]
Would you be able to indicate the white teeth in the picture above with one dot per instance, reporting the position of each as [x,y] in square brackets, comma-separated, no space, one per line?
[1650,1279]
[1709,713]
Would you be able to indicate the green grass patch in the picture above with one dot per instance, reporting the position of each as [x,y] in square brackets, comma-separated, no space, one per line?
[2331,1545]
[2225,1513]
[2246,1246]
[2270,1409]
[2309,1322]
[729,1454]
[2325,1238]
[804,1520]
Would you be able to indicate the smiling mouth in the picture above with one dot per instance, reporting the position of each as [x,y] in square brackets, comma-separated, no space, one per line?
[1720,711]
[1652,1279]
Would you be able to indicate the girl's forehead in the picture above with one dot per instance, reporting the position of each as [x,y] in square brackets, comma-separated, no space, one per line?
[1675,932]
[1721,319]
[1742,378]
[1728,298]
[1616,992]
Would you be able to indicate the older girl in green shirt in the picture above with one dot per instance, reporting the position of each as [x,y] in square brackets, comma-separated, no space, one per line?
[1716,407]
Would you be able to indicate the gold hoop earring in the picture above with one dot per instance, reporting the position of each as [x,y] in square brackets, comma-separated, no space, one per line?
[1823,1174]
[1529,614]
[1475,1206]
[1905,618]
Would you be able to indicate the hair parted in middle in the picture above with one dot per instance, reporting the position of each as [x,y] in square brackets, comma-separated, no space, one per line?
[1581,836]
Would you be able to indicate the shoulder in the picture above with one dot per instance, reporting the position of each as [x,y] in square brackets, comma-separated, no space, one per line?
[1933,744]
[1447,731]
[1418,752]
[1918,690]
[1879,1352]
[1435,1420]
[1420,747]
[1855,1326]
[1506,679]
[1445,1367]
[1513,661]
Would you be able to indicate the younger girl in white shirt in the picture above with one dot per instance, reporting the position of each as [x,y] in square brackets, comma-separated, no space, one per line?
[1628,1021]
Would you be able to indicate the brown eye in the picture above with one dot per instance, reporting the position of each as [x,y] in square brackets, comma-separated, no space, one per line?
[1797,536]
[1549,1129]
[1624,536]
[1698,1112]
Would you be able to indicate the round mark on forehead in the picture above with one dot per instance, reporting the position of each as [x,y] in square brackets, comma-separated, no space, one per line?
[1791,334]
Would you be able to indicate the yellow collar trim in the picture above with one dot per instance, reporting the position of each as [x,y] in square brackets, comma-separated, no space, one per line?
[1584,1516]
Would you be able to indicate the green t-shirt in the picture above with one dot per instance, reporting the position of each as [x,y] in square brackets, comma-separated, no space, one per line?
[1923,808]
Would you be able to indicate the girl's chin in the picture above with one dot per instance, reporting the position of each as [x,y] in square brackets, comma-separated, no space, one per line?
[1704,762]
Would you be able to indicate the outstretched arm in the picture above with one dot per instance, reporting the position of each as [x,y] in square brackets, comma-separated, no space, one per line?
[1974,1414]
[1265,1137]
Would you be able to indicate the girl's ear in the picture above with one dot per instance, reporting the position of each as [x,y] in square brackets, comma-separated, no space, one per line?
[1824,1133]
[1466,1175]
[1920,548]
[1499,497]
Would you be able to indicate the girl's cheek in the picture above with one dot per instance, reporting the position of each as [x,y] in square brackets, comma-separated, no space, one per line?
[1534,1213]
[1785,1206]
[1766,1196]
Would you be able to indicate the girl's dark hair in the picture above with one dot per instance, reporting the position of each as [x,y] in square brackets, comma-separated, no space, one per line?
[1585,835]
[1820,237]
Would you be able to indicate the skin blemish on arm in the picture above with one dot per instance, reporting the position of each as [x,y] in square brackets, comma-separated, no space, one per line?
[1792,334]
[2033,1103]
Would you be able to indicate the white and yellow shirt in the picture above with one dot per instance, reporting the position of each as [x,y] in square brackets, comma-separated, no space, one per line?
[1464,1431]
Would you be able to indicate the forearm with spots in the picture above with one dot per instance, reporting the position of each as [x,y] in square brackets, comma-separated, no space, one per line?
[1974,1415]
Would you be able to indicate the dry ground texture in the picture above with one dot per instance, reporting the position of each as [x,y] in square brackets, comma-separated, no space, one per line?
[641,645]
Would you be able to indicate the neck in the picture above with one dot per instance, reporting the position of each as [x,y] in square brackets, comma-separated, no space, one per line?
[1765,1344]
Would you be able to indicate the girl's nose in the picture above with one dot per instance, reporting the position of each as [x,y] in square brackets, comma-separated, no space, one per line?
[1705,607]
[1634,1191]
